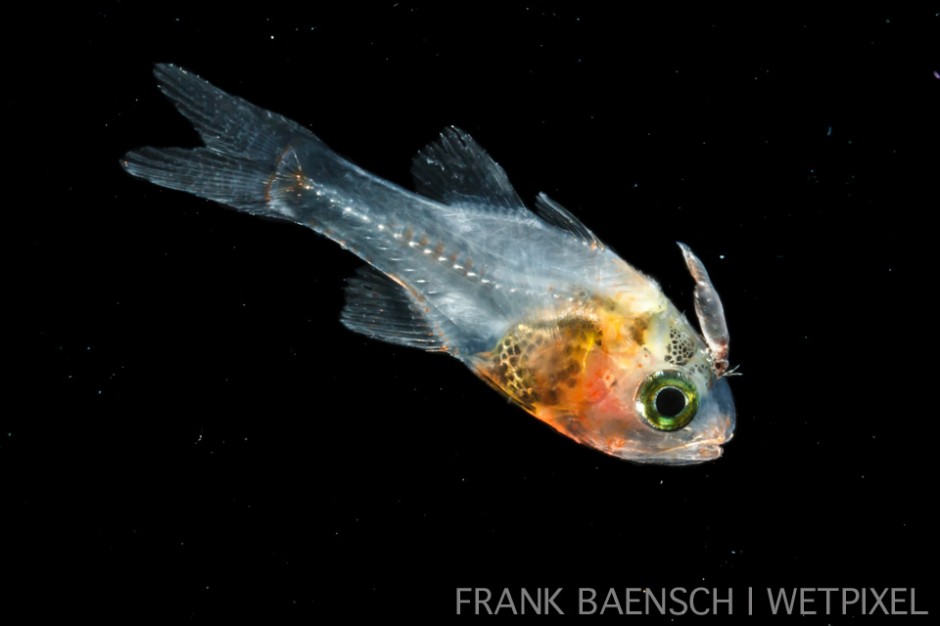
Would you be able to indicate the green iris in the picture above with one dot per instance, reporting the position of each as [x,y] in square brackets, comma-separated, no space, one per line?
[667,400]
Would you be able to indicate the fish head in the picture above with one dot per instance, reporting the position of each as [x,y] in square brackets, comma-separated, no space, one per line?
[653,390]
[652,404]
[674,421]
[627,374]
[676,407]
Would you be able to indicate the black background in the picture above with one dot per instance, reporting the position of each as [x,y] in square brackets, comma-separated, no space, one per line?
[190,433]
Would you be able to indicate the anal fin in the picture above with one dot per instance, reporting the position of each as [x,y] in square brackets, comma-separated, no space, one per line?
[380,309]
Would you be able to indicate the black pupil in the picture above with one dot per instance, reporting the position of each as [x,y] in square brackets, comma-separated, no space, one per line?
[670,402]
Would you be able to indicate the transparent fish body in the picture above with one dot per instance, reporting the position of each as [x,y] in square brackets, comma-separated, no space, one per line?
[531,301]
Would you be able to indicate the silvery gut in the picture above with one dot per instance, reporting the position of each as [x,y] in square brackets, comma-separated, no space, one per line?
[530,300]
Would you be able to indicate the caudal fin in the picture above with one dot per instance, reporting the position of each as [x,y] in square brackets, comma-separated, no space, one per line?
[244,153]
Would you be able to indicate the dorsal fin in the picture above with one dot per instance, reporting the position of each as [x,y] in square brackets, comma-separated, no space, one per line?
[454,169]
[559,217]
[378,308]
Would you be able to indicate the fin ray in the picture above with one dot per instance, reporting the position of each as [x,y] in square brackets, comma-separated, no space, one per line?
[243,153]
[380,309]
[455,170]
[226,123]
[559,217]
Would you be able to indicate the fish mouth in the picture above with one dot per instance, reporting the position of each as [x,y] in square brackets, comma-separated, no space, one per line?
[690,453]
[696,451]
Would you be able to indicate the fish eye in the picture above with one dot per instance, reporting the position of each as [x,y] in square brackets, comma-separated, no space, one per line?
[667,400]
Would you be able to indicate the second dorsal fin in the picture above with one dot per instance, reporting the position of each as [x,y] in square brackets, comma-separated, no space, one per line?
[454,169]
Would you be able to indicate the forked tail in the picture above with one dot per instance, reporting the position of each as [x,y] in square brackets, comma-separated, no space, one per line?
[246,155]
